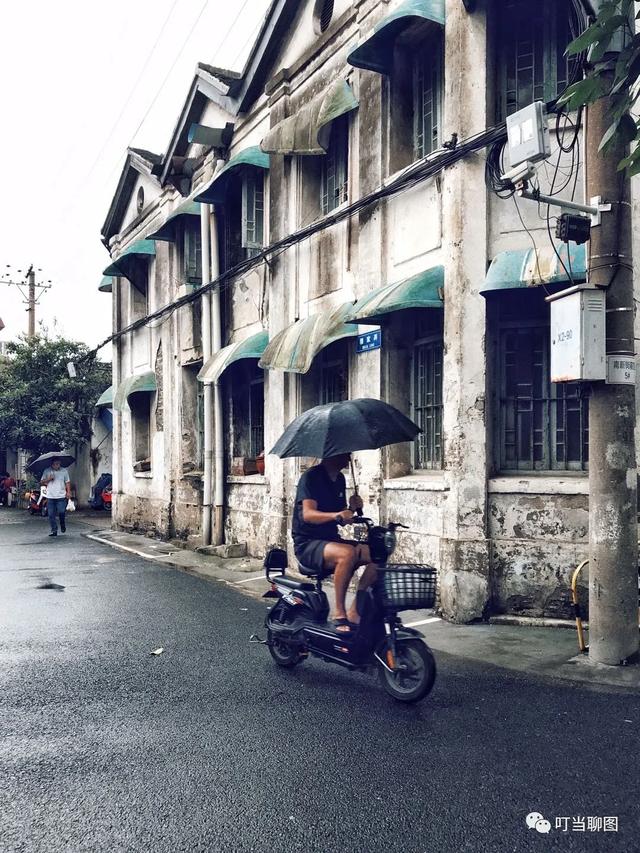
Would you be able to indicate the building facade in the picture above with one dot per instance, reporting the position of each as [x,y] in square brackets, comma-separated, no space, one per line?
[347,144]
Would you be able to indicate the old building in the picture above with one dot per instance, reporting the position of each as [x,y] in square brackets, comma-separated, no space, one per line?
[338,101]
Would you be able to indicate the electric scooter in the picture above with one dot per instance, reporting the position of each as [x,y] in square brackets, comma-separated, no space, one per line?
[297,623]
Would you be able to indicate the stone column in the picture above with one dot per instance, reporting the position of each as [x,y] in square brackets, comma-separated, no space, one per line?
[464,550]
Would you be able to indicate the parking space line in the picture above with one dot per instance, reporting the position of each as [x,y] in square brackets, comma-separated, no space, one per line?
[422,622]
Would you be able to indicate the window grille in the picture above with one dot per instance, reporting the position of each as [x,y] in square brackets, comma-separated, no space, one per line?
[193,254]
[256,417]
[334,181]
[533,37]
[427,391]
[200,426]
[253,212]
[543,426]
[427,99]
[333,382]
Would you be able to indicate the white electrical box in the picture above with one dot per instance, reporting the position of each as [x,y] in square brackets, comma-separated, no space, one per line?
[578,352]
[528,135]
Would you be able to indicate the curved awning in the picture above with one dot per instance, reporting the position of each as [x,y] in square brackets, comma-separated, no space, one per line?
[375,53]
[423,290]
[308,130]
[168,232]
[214,367]
[106,398]
[530,268]
[123,263]
[106,285]
[214,192]
[140,383]
[294,348]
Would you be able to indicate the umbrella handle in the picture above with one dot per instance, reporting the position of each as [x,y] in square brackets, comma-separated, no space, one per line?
[355,484]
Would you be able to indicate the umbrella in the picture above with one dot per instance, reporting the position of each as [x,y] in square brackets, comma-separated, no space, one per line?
[337,428]
[38,465]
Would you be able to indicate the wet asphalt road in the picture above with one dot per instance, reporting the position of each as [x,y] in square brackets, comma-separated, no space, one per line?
[209,747]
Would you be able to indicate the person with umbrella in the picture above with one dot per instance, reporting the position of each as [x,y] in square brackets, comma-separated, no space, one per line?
[330,433]
[58,484]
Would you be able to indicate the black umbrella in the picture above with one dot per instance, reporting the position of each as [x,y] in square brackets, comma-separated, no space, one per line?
[344,427]
[38,465]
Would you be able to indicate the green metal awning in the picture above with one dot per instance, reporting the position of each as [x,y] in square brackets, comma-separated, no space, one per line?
[423,290]
[168,232]
[123,263]
[106,398]
[308,131]
[214,192]
[294,348]
[528,268]
[376,52]
[214,367]
[140,383]
[106,285]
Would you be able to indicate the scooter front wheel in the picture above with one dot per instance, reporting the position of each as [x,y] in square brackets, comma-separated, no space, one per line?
[284,654]
[411,673]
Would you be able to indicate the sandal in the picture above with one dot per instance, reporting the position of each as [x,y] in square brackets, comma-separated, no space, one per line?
[343,622]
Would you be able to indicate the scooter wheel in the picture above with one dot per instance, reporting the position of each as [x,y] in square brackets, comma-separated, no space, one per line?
[414,673]
[284,655]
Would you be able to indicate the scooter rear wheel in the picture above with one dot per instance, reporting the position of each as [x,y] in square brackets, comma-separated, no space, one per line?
[414,674]
[284,655]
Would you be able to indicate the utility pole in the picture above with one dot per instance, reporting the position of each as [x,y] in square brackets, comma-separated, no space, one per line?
[613,541]
[28,288]
[31,310]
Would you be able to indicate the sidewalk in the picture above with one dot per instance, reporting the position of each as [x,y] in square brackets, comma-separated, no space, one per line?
[543,651]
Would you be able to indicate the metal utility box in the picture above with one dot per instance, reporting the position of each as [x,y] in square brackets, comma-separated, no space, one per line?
[578,317]
[528,134]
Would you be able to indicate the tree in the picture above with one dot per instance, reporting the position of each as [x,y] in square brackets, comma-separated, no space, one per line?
[616,77]
[41,407]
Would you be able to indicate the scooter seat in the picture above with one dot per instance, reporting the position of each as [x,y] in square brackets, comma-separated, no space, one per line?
[290,583]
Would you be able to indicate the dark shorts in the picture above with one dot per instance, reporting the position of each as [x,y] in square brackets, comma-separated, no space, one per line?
[310,555]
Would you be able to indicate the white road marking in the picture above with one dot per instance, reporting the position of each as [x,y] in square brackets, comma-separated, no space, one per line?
[125,548]
[422,622]
[248,580]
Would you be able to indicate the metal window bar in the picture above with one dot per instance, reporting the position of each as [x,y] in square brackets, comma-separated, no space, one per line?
[427,403]
[534,36]
[334,189]
[427,110]
[193,255]
[542,426]
[333,382]
[256,418]
[253,212]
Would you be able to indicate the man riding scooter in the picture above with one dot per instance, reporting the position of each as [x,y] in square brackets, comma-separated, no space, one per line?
[320,507]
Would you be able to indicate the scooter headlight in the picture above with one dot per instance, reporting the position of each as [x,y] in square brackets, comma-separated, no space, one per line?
[390,541]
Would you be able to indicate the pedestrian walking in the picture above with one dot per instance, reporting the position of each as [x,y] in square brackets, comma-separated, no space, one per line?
[56,479]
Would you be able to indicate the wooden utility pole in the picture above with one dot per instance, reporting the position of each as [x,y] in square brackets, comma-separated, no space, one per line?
[31,310]
[28,288]
[613,541]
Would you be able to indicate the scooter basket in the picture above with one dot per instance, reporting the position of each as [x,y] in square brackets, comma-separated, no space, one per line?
[408,587]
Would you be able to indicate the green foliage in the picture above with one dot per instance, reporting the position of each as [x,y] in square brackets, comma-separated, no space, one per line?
[41,408]
[611,76]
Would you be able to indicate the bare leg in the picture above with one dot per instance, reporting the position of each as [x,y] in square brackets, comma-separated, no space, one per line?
[343,560]
[368,579]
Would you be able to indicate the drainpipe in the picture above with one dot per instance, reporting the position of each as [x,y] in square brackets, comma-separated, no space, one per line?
[216,344]
[208,390]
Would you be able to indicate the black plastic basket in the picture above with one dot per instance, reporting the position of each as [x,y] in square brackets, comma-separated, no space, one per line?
[408,587]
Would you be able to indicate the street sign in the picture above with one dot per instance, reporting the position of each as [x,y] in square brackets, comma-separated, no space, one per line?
[369,341]
[621,370]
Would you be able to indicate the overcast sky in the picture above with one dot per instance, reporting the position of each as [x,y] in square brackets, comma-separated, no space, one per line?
[77,80]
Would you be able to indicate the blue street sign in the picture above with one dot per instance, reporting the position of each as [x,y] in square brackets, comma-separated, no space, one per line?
[369,341]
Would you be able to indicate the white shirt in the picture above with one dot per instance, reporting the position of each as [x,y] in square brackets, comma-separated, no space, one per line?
[56,488]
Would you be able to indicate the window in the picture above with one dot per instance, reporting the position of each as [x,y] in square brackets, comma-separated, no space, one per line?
[244,217]
[334,178]
[192,412]
[333,381]
[256,418]
[140,406]
[533,35]
[322,15]
[139,289]
[427,99]
[542,426]
[193,254]
[427,389]
[253,212]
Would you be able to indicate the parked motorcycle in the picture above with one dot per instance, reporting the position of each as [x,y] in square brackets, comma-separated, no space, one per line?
[107,498]
[297,624]
[37,502]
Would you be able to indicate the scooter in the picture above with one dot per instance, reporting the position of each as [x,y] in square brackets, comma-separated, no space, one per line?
[297,624]
[107,498]
[37,502]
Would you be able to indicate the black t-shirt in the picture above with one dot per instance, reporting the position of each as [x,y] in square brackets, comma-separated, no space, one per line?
[330,496]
